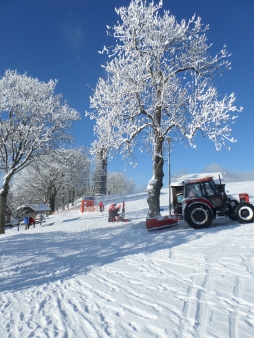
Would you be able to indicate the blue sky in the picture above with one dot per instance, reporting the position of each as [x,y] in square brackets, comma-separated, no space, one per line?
[60,39]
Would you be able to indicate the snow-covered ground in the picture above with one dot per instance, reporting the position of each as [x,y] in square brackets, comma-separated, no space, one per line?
[80,276]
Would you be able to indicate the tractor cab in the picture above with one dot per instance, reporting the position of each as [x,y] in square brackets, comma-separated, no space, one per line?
[206,188]
[210,186]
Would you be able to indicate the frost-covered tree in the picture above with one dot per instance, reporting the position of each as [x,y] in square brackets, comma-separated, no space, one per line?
[52,178]
[159,86]
[118,183]
[32,120]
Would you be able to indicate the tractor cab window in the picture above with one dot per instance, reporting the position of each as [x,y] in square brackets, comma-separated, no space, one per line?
[193,190]
[221,188]
[213,194]
[210,188]
[179,198]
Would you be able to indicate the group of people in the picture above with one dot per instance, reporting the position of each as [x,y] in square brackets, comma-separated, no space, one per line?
[28,221]
[114,212]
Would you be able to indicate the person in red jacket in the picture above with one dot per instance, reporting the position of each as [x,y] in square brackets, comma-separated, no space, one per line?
[112,212]
[31,221]
[101,206]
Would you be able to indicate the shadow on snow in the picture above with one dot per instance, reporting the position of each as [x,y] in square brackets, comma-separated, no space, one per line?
[39,258]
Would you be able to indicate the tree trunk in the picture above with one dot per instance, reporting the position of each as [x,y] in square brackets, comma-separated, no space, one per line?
[155,184]
[73,197]
[52,202]
[3,200]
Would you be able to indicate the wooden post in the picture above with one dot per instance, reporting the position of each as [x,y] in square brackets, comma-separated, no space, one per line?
[82,206]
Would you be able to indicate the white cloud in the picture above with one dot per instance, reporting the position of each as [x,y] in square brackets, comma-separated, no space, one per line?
[230,175]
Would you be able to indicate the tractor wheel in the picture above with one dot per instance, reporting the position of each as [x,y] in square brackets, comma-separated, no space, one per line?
[198,216]
[232,217]
[244,213]
[231,214]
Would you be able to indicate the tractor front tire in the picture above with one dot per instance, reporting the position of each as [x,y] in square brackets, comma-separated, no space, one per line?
[232,217]
[244,213]
[231,214]
[198,216]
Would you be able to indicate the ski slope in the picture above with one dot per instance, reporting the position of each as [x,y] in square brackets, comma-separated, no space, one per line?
[80,276]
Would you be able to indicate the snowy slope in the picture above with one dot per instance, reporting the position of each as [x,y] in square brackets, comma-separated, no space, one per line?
[80,276]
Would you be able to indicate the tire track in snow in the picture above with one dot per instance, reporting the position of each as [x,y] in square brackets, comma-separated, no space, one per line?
[130,294]
[246,264]
[135,304]
[237,292]
[89,311]
[100,306]
[155,275]
[196,305]
[203,296]
[116,285]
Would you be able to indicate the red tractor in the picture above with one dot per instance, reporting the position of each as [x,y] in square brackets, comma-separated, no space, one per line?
[201,199]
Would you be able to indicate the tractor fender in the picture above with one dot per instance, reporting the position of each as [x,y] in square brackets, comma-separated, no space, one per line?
[242,197]
[187,202]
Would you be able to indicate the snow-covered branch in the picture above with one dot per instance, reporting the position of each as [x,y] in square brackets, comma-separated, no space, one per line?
[32,120]
[160,83]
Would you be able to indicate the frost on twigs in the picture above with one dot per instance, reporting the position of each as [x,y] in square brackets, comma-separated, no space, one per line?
[160,83]
[32,120]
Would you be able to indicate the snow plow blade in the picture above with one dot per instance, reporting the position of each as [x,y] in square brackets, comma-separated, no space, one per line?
[160,223]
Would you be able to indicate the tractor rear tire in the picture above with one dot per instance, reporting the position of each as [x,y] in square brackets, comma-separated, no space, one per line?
[198,216]
[244,213]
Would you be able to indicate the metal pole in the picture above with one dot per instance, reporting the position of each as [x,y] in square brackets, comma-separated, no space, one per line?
[169,189]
